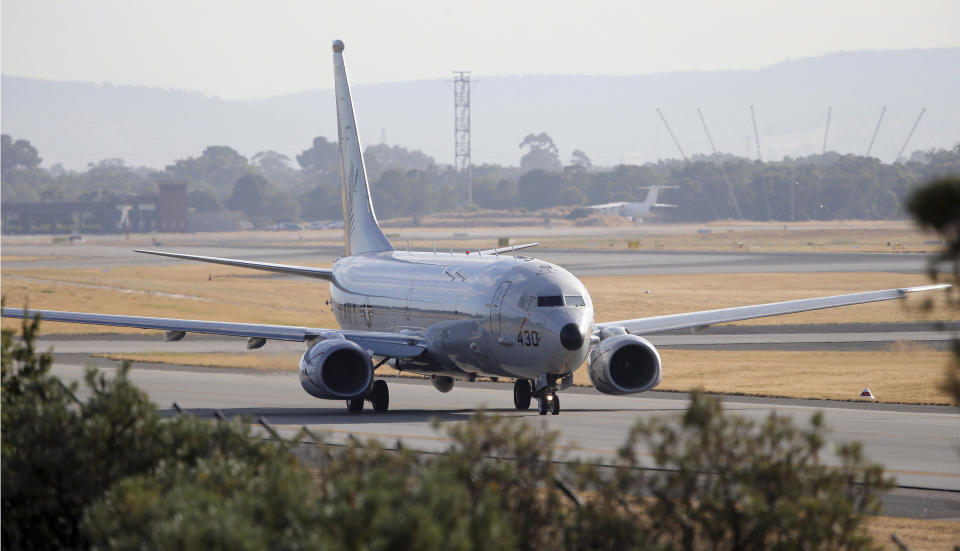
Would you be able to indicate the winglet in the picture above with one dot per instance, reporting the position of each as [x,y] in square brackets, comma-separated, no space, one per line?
[361,230]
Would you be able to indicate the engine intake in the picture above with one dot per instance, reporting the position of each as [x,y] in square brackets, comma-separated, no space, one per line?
[624,364]
[336,369]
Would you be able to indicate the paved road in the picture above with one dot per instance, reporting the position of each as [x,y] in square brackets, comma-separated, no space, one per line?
[917,444]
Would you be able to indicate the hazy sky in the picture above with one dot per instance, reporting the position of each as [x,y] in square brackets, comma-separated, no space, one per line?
[242,49]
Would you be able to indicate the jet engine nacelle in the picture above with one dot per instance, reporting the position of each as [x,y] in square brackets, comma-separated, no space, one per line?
[442,382]
[336,369]
[624,364]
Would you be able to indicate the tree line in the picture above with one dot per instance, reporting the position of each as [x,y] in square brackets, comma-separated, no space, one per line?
[271,187]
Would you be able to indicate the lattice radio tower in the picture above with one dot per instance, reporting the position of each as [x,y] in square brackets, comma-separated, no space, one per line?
[461,128]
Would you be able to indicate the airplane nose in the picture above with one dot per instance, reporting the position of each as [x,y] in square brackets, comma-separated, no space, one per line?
[570,337]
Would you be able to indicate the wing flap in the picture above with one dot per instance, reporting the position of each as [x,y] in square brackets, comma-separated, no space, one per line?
[306,271]
[705,318]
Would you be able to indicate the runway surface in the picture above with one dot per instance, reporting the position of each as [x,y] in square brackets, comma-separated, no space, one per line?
[916,444]
[579,262]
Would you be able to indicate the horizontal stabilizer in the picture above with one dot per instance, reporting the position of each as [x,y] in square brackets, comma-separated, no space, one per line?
[306,271]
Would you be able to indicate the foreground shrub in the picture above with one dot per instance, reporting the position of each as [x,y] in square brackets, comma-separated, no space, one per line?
[110,472]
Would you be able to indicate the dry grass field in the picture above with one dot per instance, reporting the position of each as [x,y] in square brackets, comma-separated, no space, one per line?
[917,534]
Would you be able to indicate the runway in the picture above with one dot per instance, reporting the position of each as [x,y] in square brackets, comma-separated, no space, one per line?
[916,444]
[579,262]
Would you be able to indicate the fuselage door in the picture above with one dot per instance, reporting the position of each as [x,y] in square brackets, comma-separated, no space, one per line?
[496,306]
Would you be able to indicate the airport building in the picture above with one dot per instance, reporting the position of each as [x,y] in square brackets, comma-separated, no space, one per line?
[164,211]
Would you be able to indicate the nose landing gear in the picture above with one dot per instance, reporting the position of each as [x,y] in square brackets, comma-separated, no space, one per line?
[548,402]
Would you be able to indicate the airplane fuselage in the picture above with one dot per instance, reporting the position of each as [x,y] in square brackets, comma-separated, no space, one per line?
[482,315]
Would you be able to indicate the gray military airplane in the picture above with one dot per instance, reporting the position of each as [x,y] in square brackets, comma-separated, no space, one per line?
[451,315]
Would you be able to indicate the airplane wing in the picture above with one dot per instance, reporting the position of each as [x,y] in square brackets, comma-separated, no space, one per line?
[701,320]
[607,205]
[393,345]
[308,271]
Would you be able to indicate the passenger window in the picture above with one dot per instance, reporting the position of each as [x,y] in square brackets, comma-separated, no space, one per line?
[574,300]
[550,301]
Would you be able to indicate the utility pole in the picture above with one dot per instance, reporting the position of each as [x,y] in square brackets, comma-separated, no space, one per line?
[910,135]
[723,173]
[875,130]
[461,128]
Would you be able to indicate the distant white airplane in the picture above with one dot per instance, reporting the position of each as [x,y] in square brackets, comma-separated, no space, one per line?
[633,210]
[452,315]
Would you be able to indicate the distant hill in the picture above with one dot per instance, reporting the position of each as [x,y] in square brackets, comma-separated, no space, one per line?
[612,119]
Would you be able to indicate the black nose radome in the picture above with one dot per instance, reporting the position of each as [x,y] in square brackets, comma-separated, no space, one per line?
[570,337]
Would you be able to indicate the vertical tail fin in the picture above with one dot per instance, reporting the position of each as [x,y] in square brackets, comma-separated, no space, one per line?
[651,198]
[361,230]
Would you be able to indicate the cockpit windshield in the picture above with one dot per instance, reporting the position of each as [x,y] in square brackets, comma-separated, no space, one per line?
[569,300]
[550,301]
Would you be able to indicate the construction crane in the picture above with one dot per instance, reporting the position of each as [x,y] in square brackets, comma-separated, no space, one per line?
[756,135]
[875,130]
[910,135]
[703,192]
[670,131]
[723,173]
[826,131]
[766,186]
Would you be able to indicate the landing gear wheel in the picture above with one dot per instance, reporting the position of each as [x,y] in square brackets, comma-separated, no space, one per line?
[380,396]
[355,405]
[543,404]
[556,405]
[521,394]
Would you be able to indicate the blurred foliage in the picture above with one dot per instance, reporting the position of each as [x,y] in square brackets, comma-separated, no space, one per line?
[110,472]
[722,481]
[60,456]
[936,206]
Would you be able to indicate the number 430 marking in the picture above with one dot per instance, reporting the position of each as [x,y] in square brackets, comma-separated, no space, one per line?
[528,338]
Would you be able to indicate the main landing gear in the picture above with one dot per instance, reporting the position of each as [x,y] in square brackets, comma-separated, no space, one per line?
[379,397]
[522,394]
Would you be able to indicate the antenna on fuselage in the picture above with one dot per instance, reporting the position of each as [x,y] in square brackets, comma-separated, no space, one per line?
[434,248]
[451,248]
[408,247]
